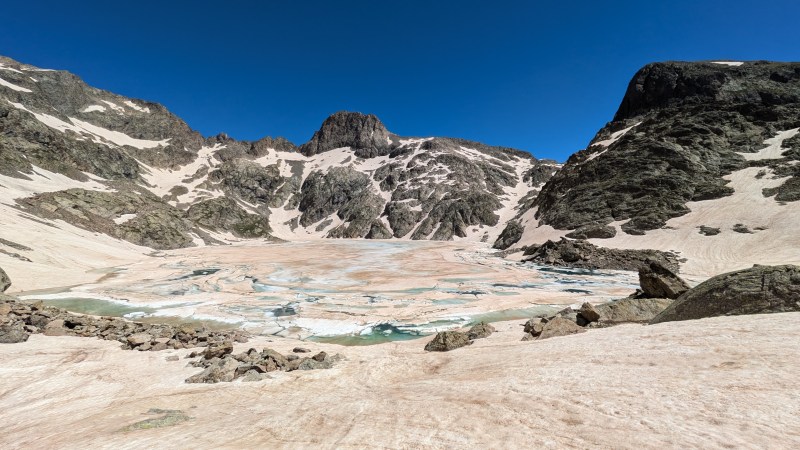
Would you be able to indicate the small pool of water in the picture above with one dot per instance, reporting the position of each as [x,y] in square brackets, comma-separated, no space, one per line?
[96,307]
[379,334]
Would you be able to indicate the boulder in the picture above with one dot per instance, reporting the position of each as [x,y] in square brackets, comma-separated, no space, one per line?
[445,341]
[13,332]
[658,281]
[218,350]
[55,328]
[757,290]
[480,330]
[560,326]
[223,370]
[535,326]
[139,339]
[636,310]
[5,282]
[588,313]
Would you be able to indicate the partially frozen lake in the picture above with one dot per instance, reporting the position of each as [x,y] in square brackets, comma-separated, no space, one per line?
[349,292]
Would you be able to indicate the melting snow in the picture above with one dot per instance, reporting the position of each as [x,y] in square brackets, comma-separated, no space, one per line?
[124,218]
[615,136]
[93,108]
[10,69]
[774,148]
[13,86]
[137,107]
[117,137]
[114,106]
[100,135]
[40,181]
[728,63]
[161,181]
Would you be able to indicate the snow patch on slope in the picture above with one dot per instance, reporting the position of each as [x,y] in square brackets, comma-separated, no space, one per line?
[774,148]
[10,69]
[97,134]
[162,181]
[136,107]
[94,108]
[41,181]
[13,87]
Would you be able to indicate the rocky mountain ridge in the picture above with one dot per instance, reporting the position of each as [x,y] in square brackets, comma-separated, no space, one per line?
[132,170]
[680,129]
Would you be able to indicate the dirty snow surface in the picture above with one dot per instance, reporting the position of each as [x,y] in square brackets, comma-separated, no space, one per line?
[726,382]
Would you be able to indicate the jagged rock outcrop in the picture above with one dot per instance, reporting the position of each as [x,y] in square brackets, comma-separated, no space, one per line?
[250,182]
[757,290]
[5,281]
[679,129]
[510,235]
[224,214]
[444,341]
[656,281]
[593,232]
[583,254]
[364,133]
[480,330]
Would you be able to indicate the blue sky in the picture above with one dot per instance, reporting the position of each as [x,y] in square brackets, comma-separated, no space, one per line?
[541,76]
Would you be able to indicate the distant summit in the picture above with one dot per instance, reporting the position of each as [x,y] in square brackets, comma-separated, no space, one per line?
[365,134]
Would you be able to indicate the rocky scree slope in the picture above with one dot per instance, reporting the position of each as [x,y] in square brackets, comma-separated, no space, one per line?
[130,169]
[680,128]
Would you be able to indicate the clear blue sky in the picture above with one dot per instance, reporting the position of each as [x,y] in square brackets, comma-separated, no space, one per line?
[541,76]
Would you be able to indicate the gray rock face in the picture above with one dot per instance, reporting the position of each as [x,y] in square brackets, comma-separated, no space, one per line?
[657,281]
[582,254]
[224,214]
[631,310]
[445,341]
[251,182]
[689,121]
[5,281]
[510,235]
[758,290]
[365,134]
[593,232]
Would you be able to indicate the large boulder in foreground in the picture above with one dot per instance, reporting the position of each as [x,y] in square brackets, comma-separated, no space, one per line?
[631,310]
[560,326]
[757,290]
[658,281]
[5,282]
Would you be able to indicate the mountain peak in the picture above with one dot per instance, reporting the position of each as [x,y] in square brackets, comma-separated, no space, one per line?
[675,83]
[364,133]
